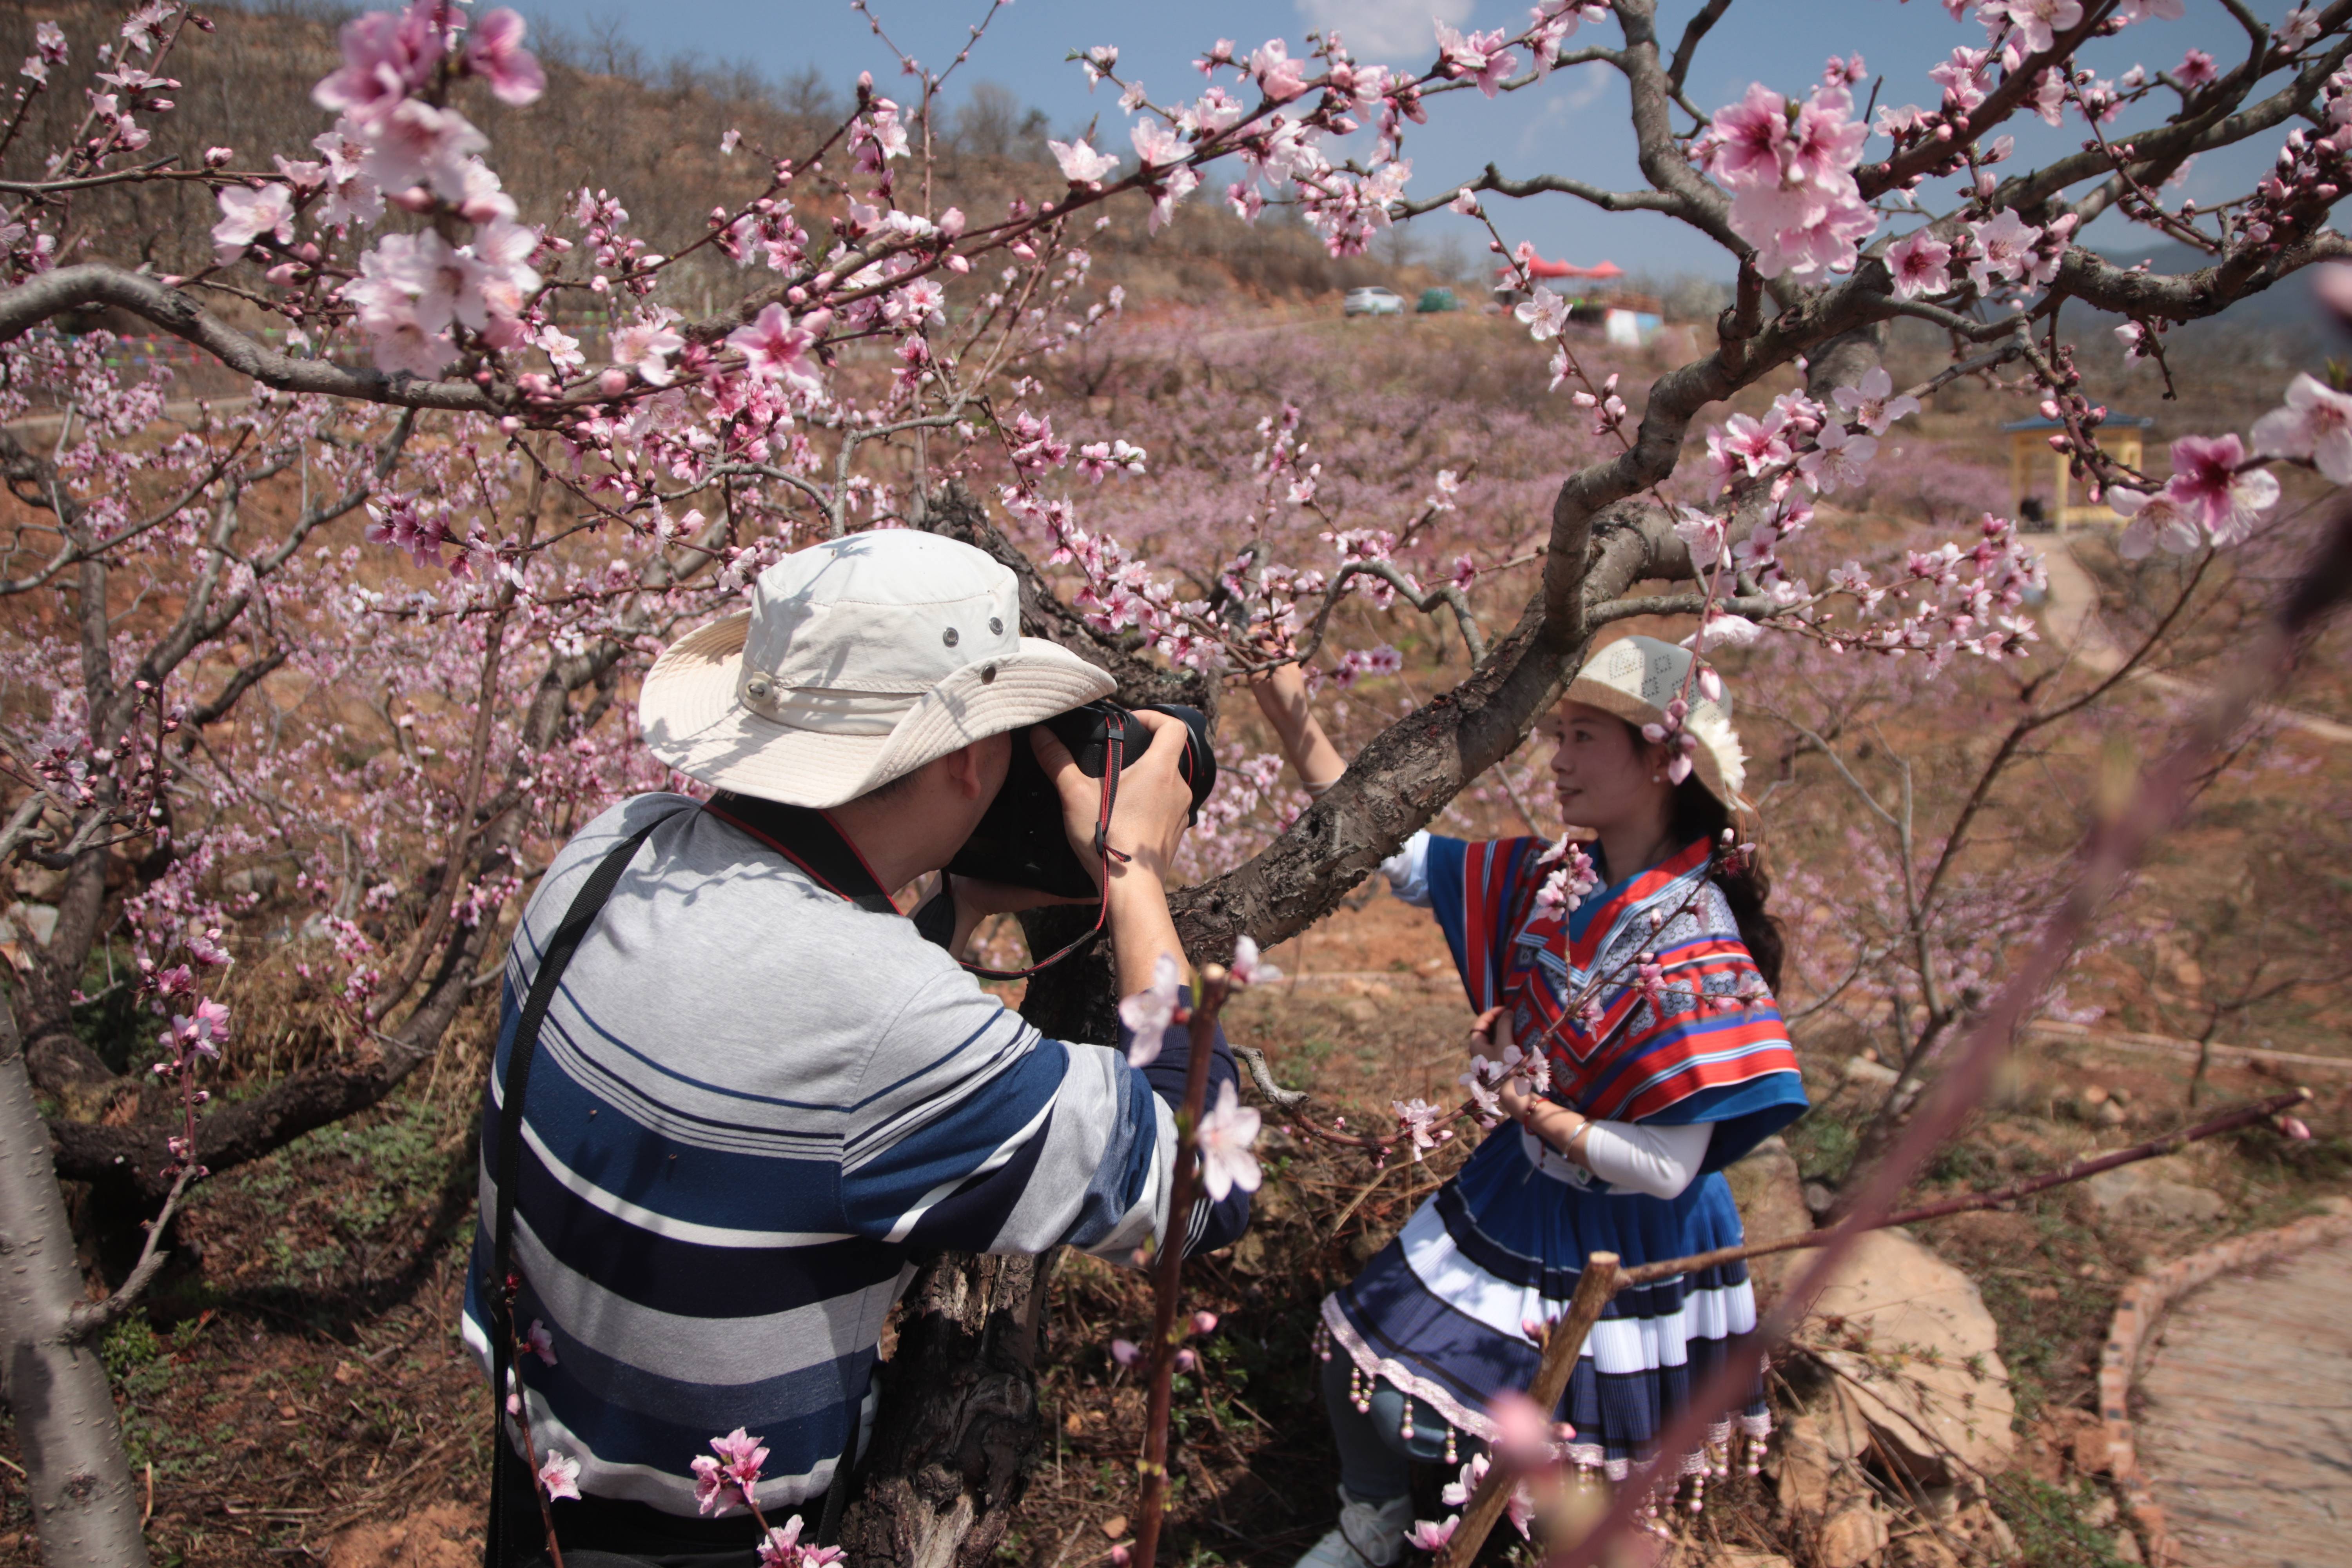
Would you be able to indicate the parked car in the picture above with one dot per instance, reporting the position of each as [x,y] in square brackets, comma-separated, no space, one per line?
[1434,300]
[1372,301]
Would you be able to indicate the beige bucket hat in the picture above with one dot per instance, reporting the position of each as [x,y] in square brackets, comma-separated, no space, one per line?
[860,660]
[1634,679]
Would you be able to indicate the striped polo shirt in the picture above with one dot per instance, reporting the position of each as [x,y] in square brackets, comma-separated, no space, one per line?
[754,1108]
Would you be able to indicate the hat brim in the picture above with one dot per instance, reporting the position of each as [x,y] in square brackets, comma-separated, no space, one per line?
[692,719]
[1709,761]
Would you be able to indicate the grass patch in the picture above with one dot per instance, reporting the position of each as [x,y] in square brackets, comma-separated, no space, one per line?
[2049,1525]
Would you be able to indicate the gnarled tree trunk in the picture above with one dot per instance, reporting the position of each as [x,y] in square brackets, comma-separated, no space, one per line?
[958,1428]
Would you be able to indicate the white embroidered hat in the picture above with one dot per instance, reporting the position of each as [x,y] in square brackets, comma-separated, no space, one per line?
[860,660]
[1636,678]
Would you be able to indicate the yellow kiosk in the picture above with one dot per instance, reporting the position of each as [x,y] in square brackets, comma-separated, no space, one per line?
[2119,437]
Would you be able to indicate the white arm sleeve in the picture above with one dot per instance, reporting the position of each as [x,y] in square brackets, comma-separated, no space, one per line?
[1408,871]
[1659,1161]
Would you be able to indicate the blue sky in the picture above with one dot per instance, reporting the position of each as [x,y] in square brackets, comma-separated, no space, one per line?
[1574,124]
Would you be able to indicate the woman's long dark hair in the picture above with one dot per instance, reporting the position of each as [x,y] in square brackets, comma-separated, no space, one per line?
[1698,815]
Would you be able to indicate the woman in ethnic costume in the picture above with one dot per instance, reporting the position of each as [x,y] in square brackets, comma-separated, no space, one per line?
[1657,1083]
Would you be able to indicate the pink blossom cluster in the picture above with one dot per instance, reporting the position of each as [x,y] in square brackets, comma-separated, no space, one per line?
[1527,1440]
[1790,171]
[1569,875]
[1529,1072]
[1422,1124]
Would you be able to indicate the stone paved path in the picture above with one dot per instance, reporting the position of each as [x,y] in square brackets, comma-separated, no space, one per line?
[2072,618]
[2246,1433]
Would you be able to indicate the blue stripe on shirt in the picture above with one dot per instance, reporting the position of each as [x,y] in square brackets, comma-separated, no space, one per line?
[690,1181]
[876,1193]
[690,1279]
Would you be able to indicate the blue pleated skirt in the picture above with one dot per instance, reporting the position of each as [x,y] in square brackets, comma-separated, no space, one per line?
[1445,1311]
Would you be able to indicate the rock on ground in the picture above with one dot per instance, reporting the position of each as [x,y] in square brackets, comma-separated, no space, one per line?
[1913,1349]
[1809,1457]
[1855,1536]
[1771,1197]
[2151,1193]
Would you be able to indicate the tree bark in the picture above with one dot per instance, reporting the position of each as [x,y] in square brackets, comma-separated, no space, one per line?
[958,1429]
[85,1510]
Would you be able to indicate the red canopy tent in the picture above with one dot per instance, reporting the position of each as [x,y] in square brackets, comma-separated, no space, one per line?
[1538,267]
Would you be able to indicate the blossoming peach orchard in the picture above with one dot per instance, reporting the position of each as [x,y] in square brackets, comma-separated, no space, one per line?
[878,369]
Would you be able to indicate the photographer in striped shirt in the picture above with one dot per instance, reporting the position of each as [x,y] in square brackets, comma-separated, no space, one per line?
[750,1096]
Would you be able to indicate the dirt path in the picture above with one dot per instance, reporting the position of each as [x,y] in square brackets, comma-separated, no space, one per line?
[2072,617]
[2246,1435]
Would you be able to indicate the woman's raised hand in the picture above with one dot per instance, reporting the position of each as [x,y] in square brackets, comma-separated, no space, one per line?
[1281,693]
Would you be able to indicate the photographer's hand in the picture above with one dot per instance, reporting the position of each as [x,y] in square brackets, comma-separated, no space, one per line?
[1147,825]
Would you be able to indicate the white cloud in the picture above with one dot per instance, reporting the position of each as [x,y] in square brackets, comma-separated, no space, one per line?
[1574,90]
[1391,31]
[1586,82]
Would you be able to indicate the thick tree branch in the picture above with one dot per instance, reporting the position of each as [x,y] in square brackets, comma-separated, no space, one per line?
[89,283]
[2188,296]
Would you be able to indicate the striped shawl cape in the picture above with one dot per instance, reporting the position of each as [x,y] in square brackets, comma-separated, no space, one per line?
[1703,1041]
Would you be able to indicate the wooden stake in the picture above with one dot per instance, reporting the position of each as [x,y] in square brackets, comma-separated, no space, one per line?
[1599,1283]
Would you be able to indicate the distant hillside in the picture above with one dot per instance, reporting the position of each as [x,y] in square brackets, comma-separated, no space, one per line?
[649,132]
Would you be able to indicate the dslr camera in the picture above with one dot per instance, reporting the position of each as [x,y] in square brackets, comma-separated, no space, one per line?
[1021,841]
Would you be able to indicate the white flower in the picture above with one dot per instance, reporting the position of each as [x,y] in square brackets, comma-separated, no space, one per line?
[559,1477]
[1149,1011]
[1081,165]
[1702,533]
[417,144]
[1545,313]
[1872,405]
[646,347]
[2316,423]
[1838,458]
[2158,521]
[1248,968]
[1156,144]
[247,215]
[1476,1080]
[1228,1133]
[1419,1121]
